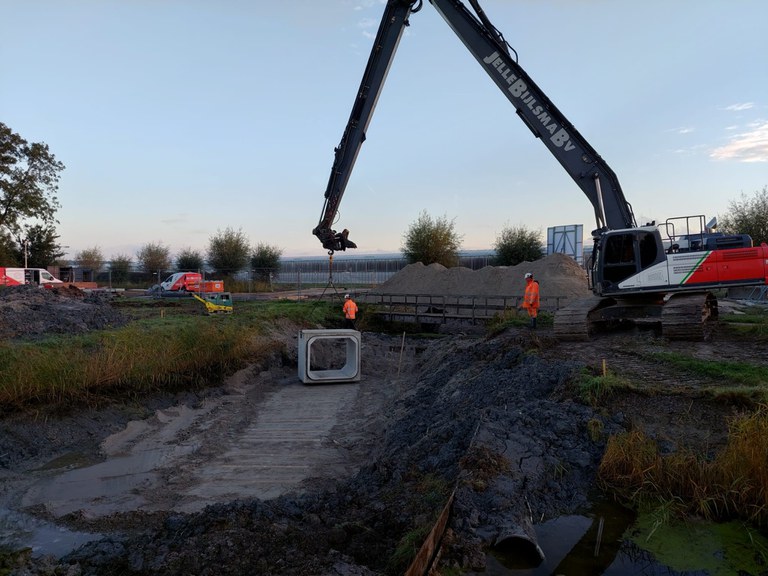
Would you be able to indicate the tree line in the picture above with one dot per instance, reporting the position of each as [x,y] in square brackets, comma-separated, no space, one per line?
[229,251]
[29,177]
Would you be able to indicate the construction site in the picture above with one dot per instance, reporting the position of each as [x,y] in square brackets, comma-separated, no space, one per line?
[449,428]
[469,452]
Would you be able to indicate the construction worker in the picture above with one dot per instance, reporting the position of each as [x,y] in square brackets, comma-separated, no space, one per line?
[531,298]
[350,311]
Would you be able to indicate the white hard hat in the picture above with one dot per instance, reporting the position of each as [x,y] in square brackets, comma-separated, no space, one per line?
[528,275]
[346,296]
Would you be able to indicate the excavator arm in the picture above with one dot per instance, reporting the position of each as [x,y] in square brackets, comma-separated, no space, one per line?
[393,22]
[585,166]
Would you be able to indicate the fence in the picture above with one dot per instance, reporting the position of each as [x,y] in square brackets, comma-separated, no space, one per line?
[356,271]
[439,309]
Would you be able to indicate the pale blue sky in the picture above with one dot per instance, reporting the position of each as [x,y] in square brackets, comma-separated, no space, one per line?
[178,118]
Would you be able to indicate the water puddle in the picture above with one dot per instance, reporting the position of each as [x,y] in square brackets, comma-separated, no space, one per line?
[612,541]
[18,531]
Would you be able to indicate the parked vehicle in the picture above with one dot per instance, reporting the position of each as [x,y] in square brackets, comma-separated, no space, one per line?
[19,276]
[190,282]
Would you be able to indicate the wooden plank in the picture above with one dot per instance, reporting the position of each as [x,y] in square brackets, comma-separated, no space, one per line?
[426,554]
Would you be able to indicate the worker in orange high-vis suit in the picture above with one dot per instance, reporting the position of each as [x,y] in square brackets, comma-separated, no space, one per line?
[350,311]
[531,298]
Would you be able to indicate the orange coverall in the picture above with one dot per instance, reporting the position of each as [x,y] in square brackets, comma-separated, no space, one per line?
[531,298]
[350,310]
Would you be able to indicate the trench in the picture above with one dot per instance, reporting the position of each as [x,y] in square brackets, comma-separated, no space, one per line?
[612,540]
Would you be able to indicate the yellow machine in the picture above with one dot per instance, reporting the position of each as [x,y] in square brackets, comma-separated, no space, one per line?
[215,302]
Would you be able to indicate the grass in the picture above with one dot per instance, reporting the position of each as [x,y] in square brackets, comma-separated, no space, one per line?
[593,389]
[513,318]
[427,497]
[163,349]
[735,373]
[731,485]
[737,382]
[752,325]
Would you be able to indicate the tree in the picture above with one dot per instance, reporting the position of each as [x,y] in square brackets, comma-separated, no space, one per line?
[432,241]
[265,260]
[748,216]
[120,267]
[8,253]
[29,177]
[517,244]
[90,259]
[188,260]
[228,251]
[42,246]
[154,257]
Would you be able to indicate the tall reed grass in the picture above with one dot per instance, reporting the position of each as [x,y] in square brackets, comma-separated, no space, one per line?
[132,360]
[733,484]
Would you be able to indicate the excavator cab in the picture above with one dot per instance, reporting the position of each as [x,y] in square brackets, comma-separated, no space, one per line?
[623,254]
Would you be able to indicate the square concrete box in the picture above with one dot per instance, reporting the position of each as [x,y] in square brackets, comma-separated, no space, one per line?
[338,348]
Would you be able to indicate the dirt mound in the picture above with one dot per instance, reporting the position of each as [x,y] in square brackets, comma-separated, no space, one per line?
[559,276]
[33,311]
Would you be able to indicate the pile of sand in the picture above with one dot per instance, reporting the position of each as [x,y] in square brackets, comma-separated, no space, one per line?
[559,276]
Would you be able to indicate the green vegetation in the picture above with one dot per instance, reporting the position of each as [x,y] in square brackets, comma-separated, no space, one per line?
[701,547]
[748,215]
[734,380]
[228,251]
[164,348]
[752,326]
[432,241]
[429,495]
[407,548]
[731,485]
[153,257]
[517,244]
[513,318]
[593,389]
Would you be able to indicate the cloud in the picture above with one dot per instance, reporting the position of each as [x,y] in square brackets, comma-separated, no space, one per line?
[175,219]
[740,107]
[367,23]
[749,146]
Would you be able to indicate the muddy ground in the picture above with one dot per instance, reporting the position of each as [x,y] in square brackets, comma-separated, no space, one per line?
[492,419]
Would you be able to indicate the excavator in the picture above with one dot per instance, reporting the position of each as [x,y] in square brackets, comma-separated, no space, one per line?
[664,275]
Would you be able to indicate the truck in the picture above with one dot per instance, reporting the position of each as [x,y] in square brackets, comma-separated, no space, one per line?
[664,274]
[36,276]
[190,282]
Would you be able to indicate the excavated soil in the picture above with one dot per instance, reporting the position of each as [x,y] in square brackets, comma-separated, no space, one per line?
[493,420]
[27,311]
[558,275]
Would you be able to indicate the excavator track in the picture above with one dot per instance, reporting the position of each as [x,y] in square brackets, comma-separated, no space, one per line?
[572,322]
[685,316]
[689,316]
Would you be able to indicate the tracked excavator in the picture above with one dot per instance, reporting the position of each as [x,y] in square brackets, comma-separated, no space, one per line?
[665,275]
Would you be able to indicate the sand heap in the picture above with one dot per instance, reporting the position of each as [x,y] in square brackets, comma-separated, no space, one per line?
[559,276]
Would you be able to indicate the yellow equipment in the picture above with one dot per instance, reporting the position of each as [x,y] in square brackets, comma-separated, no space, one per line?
[216,302]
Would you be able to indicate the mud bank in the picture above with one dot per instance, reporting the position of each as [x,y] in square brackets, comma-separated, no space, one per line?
[487,418]
[496,421]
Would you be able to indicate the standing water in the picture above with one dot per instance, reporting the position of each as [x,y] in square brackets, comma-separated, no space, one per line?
[612,541]
[19,531]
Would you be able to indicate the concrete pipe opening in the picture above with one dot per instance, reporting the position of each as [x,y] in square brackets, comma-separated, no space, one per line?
[519,548]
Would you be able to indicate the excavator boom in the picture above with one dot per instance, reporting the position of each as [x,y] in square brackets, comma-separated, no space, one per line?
[636,273]
[546,122]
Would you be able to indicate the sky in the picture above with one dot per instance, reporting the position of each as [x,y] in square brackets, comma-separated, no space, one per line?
[179,119]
